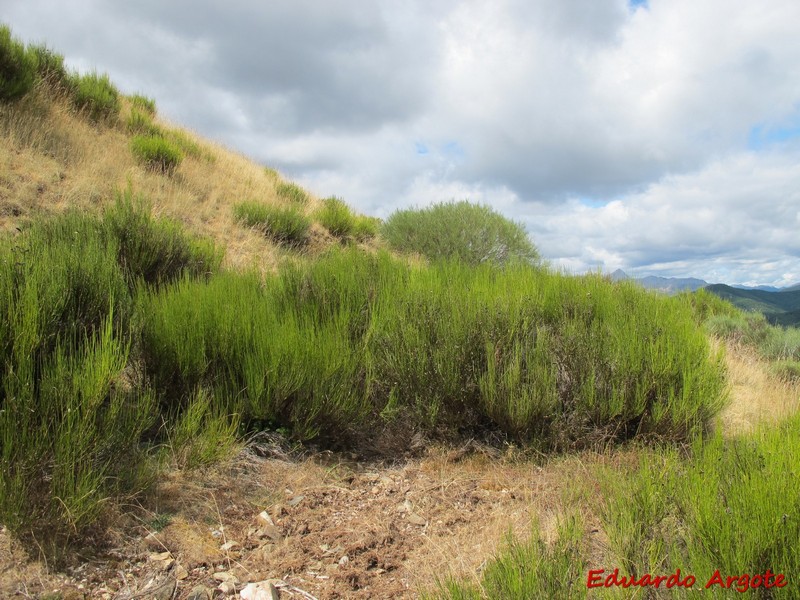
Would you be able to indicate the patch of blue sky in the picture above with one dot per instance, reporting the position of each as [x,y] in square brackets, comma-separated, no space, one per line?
[761,136]
[593,202]
[634,4]
[422,149]
[453,150]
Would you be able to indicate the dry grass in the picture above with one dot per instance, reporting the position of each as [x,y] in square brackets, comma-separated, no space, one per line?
[756,395]
[52,160]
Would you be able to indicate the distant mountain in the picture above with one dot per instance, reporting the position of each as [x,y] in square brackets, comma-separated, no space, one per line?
[667,285]
[763,288]
[781,307]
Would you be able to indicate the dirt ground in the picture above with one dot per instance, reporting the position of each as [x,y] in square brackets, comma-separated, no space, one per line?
[326,526]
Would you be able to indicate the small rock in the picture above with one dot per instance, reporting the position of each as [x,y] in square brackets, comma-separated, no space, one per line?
[216,533]
[295,501]
[415,519]
[264,516]
[180,573]
[225,577]
[199,592]
[344,560]
[228,546]
[271,532]
[227,588]
[161,556]
[263,590]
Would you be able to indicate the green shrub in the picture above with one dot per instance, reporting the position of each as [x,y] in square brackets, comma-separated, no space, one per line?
[70,429]
[336,217]
[156,251]
[291,192]
[187,145]
[74,410]
[143,103]
[156,153]
[95,95]
[141,123]
[366,228]
[283,225]
[50,66]
[363,341]
[706,305]
[17,66]
[467,232]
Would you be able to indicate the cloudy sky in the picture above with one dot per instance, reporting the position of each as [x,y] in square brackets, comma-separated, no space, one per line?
[661,137]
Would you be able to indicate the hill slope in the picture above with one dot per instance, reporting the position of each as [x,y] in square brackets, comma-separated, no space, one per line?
[52,157]
[781,308]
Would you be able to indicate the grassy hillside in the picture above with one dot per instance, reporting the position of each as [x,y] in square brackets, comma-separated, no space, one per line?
[782,308]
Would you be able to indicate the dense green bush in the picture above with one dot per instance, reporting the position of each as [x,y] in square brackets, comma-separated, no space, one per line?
[467,232]
[50,66]
[156,153]
[73,411]
[291,192]
[140,122]
[547,359]
[156,251]
[336,217]
[289,226]
[17,66]
[95,95]
[366,228]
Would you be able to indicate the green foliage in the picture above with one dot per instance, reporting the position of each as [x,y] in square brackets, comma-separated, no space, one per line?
[156,153]
[202,434]
[50,66]
[141,122]
[467,232]
[336,217]
[187,145]
[156,251]
[366,228]
[752,329]
[701,509]
[95,95]
[706,304]
[17,66]
[73,411]
[291,192]
[287,226]
[780,308]
[357,340]
[143,103]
